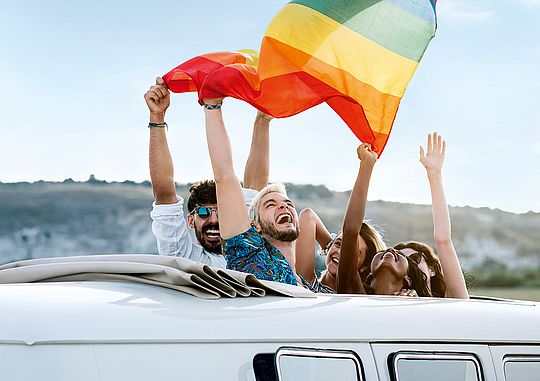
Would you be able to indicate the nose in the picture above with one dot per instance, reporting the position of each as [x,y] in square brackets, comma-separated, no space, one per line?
[213,216]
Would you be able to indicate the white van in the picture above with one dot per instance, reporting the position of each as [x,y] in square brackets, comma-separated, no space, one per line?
[116,330]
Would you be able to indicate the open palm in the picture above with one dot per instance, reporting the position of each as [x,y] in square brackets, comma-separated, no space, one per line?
[433,158]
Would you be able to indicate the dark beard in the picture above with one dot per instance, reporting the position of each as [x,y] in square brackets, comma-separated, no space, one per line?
[216,249]
[284,236]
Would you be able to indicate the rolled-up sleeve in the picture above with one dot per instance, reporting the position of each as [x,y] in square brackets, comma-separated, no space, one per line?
[170,228]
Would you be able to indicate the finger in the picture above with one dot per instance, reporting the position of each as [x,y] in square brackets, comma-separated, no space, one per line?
[160,81]
[443,150]
[422,154]
[439,143]
[155,96]
[429,143]
[435,141]
[162,90]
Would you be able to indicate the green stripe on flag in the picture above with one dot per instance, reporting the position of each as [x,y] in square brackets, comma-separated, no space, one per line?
[381,21]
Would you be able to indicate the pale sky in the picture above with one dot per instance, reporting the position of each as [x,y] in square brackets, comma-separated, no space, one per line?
[74,74]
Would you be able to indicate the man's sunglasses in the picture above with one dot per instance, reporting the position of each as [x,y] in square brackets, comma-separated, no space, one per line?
[204,211]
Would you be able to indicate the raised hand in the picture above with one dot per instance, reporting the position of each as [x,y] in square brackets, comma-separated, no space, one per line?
[433,159]
[158,100]
[366,154]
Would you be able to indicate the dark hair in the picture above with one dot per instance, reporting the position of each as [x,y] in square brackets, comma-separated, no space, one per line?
[202,193]
[438,285]
[416,278]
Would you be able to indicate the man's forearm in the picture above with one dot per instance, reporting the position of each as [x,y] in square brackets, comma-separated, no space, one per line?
[257,171]
[161,166]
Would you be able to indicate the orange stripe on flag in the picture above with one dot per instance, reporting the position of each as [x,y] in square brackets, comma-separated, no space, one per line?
[379,108]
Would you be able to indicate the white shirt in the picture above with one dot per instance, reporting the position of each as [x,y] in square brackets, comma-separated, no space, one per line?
[173,238]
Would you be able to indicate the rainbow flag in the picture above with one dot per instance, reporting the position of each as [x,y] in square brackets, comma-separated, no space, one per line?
[358,56]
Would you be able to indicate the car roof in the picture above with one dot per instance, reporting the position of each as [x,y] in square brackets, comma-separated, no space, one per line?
[132,312]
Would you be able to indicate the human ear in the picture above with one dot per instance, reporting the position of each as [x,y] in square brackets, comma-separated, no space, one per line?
[258,227]
[191,222]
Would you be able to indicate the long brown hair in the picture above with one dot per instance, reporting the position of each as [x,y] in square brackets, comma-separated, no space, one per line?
[374,243]
[438,285]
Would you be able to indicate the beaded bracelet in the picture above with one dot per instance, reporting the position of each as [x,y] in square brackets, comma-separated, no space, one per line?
[158,125]
[217,106]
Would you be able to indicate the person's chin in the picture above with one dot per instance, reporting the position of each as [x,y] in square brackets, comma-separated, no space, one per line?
[332,268]
[213,247]
[286,229]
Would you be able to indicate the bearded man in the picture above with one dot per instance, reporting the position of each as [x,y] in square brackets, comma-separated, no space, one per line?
[169,225]
[265,248]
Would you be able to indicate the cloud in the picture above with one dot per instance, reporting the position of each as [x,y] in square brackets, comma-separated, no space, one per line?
[467,12]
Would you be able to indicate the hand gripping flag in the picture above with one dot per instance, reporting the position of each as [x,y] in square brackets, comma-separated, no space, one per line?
[356,55]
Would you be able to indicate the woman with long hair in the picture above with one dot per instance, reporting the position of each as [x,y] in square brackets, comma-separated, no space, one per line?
[443,272]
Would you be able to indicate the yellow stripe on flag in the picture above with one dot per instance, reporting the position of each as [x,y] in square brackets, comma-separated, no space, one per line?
[338,46]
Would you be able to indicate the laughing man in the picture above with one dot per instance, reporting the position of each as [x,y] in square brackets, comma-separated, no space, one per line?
[265,248]
[169,225]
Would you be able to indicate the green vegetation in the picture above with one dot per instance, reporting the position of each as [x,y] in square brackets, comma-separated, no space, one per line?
[509,293]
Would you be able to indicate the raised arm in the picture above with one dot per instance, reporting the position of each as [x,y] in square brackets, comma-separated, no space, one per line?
[257,171]
[233,215]
[348,280]
[433,161]
[312,230]
[161,166]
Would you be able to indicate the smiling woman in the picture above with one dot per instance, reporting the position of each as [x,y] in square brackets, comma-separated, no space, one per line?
[392,271]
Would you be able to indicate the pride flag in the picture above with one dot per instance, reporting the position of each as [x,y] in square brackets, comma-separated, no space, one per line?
[358,56]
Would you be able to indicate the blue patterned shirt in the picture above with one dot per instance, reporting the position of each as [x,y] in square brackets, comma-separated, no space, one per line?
[249,252]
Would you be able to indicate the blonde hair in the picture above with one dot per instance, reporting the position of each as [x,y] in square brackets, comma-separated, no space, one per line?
[256,203]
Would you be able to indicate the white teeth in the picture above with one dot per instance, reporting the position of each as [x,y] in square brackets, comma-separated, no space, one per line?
[283,218]
[335,260]
[211,231]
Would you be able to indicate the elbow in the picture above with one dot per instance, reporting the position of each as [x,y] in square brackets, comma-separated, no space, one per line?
[164,190]
[224,176]
[307,214]
[350,230]
[442,239]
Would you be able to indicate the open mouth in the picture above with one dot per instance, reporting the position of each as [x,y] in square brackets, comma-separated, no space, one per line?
[212,233]
[335,260]
[284,218]
[390,256]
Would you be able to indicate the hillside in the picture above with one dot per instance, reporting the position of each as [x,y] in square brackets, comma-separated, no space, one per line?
[94,217]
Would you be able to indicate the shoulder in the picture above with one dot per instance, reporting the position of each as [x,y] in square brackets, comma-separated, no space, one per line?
[250,236]
[317,287]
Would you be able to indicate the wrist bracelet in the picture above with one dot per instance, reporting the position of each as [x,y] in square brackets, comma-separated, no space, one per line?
[217,106]
[158,125]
